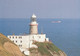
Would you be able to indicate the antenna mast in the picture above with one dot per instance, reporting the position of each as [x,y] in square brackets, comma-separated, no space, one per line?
[41,30]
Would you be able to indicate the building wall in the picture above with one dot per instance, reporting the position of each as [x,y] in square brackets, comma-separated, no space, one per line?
[26,41]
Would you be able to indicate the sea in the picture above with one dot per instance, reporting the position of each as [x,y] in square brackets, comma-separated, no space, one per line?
[64,34]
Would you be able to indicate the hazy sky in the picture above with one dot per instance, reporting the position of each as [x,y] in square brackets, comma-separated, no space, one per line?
[42,8]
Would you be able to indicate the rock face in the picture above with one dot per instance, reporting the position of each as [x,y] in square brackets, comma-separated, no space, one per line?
[46,49]
[8,48]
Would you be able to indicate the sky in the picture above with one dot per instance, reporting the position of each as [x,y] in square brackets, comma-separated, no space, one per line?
[42,8]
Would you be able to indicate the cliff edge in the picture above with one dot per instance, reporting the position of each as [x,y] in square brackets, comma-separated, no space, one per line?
[8,48]
[46,49]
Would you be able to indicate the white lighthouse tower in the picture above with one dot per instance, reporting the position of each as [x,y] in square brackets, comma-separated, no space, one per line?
[33,25]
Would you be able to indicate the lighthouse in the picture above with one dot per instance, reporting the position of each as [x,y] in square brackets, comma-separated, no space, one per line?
[33,25]
[24,42]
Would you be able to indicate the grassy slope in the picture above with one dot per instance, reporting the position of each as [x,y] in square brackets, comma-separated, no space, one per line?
[3,51]
[3,39]
[45,47]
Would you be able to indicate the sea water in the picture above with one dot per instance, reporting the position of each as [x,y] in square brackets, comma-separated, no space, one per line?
[65,35]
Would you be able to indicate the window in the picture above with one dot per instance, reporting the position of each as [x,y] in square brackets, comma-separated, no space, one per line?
[20,45]
[20,41]
[9,37]
[16,37]
[13,37]
[20,37]
[16,41]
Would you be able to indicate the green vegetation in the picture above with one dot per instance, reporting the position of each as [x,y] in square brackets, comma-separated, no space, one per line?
[45,48]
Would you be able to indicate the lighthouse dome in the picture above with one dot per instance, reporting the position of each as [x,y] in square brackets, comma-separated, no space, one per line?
[33,16]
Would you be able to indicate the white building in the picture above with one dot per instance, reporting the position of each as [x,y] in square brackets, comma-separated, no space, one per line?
[26,41]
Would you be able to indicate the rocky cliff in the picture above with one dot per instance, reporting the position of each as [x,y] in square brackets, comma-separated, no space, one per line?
[46,49]
[8,48]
